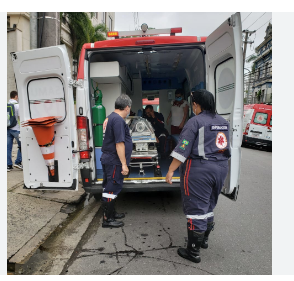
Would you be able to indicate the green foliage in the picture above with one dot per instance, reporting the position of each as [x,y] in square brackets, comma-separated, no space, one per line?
[252,58]
[82,31]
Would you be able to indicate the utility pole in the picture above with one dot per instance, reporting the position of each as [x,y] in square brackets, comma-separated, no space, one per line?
[49,29]
[33,30]
[247,33]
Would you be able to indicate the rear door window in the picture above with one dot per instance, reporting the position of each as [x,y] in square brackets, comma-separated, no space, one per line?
[260,118]
[271,120]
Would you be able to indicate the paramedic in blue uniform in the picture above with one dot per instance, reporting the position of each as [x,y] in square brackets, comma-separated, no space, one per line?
[116,155]
[202,154]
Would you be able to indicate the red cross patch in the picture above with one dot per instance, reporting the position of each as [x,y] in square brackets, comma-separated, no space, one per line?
[105,125]
[221,140]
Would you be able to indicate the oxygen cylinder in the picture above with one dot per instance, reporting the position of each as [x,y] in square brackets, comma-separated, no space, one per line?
[99,115]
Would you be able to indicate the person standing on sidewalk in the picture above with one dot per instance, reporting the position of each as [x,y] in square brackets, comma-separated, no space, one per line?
[116,156]
[13,133]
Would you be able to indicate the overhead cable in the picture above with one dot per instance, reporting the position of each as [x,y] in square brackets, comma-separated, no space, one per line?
[246,17]
[256,20]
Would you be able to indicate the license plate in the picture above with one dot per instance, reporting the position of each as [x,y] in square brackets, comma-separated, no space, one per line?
[255,135]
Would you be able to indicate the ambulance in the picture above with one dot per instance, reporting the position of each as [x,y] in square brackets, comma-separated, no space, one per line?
[257,125]
[142,63]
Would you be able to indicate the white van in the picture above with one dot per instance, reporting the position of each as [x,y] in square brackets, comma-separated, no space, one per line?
[136,66]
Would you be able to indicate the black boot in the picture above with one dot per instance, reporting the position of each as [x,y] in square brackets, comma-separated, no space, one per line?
[117,215]
[108,215]
[192,252]
[210,227]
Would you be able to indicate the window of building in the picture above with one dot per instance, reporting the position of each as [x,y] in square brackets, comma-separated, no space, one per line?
[104,17]
[260,118]
[96,15]
[258,73]
[266,69]
[262,95]
[110,23]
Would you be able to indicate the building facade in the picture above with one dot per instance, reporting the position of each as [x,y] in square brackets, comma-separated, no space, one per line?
[262,77]
[18,38]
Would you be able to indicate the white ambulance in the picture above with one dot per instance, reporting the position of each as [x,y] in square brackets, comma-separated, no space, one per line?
[137,66]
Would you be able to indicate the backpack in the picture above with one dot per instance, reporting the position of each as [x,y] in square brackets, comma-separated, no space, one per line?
[11,119]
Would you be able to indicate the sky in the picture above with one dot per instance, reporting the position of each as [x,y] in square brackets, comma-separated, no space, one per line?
[197,24]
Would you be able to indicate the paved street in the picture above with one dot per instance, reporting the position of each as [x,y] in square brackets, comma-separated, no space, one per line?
[155,227]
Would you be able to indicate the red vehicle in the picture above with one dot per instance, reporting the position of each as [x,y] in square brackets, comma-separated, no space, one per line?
[257,125]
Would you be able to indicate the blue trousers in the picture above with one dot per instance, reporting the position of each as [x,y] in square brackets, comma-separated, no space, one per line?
[201,184]
[11,134]
[112,182]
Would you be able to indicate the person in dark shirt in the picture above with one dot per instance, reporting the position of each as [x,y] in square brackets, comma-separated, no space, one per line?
[157,121]
[116,156]
[202,154]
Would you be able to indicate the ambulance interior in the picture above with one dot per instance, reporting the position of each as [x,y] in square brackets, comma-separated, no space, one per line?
[149,76]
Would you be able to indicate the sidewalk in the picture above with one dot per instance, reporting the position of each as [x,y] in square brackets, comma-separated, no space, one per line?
[32,215]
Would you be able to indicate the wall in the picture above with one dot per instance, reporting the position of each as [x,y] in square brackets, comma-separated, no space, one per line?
[110,93]
[137,95]
[17,41]
[96,21]
[14,44]
[165,105]
[22,20]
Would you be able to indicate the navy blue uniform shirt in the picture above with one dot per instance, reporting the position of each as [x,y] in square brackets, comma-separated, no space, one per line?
[115,130]
[206,136]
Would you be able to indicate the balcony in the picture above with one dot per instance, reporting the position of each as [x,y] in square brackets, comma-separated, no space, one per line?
[262,79]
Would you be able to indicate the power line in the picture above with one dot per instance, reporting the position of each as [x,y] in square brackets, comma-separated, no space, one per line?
[246,17]
[263,24]
[257,69]
[256,20]
[248,74]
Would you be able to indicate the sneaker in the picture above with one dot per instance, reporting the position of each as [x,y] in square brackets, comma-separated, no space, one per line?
[9,168]
[19,166]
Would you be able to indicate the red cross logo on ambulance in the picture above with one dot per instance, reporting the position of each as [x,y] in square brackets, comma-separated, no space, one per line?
[221,140]
[260,118]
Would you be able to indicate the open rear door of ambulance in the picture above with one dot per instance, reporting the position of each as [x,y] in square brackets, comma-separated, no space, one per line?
[44,88]
[224,68]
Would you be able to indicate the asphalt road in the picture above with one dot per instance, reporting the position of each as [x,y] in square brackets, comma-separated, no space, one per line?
[155,227]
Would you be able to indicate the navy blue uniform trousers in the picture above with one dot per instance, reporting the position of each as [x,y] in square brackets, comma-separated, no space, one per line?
[201,184]
[112,182]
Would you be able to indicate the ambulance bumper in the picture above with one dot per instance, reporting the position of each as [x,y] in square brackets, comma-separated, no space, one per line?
[256,141]
[138,187]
